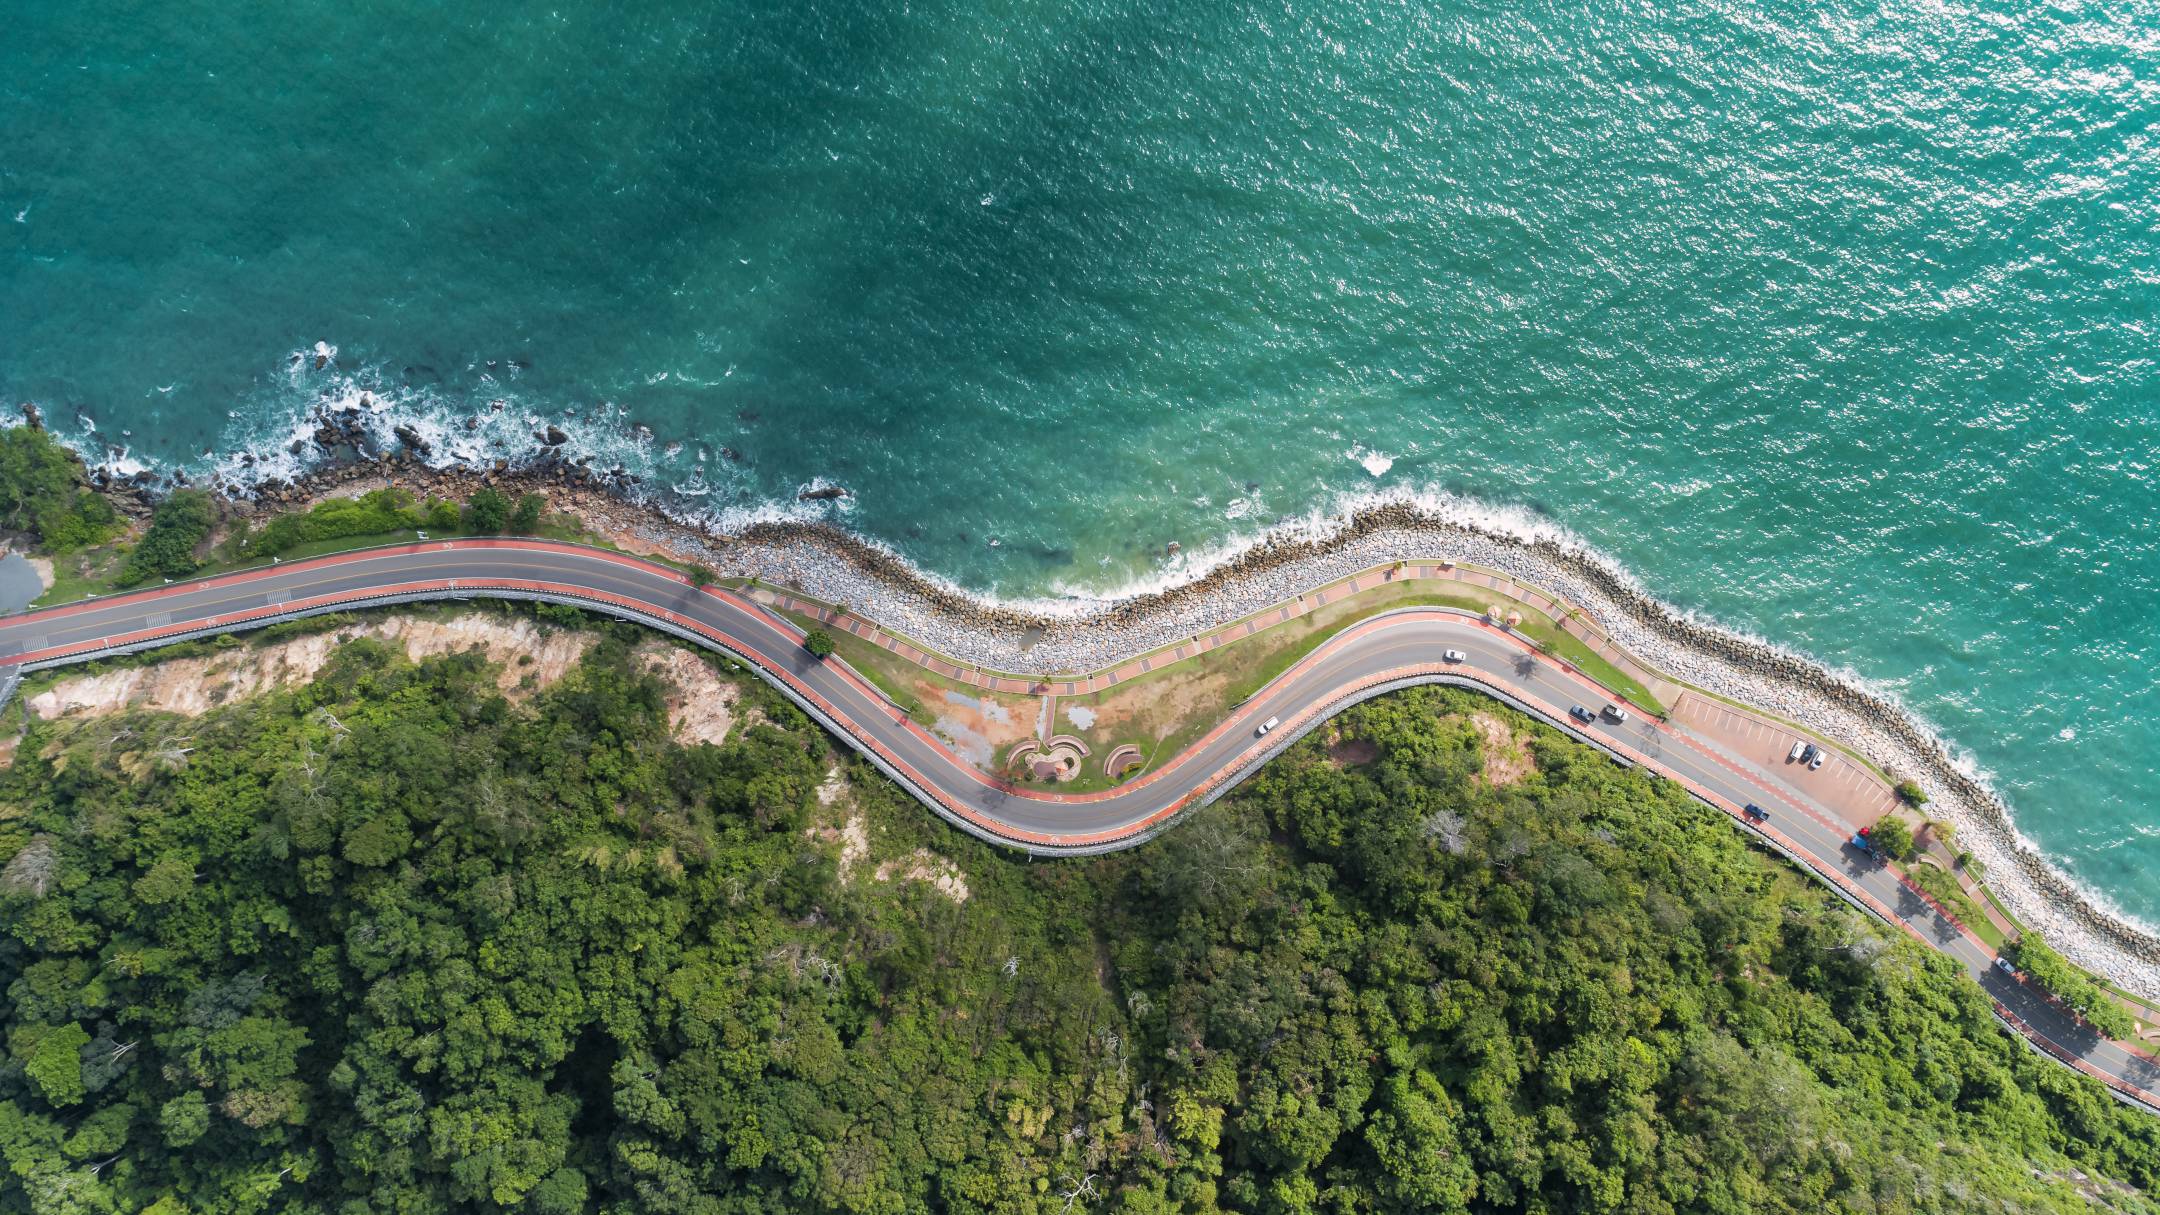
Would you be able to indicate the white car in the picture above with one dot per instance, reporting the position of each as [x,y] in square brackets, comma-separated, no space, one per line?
[1798,749]
[1817,762]
[1267,725]
[1453,656]
[1615,714]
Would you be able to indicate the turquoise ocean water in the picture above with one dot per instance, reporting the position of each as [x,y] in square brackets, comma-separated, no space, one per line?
[1833,321]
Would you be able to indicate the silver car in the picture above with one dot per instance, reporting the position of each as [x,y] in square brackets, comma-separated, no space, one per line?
[1453,656]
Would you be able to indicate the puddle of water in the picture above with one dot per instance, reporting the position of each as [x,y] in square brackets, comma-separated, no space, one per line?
[19,583]
[991,710]
[972,745]
[959,730]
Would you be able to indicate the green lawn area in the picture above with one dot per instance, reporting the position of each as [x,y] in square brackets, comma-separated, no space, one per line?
[87,572]
[1996,903]
[892,674]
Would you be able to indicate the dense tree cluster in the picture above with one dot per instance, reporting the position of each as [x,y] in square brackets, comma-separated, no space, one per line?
[2043,966]
[43,490]
[391,944]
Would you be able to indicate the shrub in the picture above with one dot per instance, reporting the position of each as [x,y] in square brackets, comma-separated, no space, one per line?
[525,520]
[486,511]
[372,513]
[1912,793]
[168,548]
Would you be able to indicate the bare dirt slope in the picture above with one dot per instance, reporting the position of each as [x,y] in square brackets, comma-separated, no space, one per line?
[530,655]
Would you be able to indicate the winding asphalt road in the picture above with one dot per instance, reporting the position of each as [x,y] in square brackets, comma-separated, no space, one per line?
[1386,652]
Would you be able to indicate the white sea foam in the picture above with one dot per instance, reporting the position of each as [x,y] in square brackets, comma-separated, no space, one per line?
[1374,463]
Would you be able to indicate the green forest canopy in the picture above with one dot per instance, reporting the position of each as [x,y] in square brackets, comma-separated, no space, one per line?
[390,944]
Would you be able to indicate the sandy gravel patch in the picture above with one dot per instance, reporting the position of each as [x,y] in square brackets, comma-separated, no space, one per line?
[530,656]
[853,837]
[833,787]
[1352,752]
[977,727]
[700,704]
[923,865]
[1506,754]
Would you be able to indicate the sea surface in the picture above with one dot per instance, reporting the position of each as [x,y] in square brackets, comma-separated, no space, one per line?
[1834,322]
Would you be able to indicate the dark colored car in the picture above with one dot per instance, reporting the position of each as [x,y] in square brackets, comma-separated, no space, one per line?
[1582,714]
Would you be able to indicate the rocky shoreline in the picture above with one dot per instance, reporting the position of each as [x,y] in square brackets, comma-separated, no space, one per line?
[1085,635]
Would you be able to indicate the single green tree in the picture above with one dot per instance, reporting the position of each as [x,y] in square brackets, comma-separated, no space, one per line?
[1892,838]
[55,1062]
[486,511]
[525,520]
[819,643]
[1911,792]
[168,881]
[183,1119]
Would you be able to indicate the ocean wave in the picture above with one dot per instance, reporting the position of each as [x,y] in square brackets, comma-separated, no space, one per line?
[1375,464]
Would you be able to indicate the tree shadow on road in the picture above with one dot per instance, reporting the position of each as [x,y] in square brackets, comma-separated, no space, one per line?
[1921,914]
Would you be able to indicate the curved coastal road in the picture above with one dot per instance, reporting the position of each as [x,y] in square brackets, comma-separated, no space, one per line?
[1389,651]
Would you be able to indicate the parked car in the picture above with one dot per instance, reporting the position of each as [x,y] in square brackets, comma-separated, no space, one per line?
[1267,725]
[1582,714]
[1817,762]
[2003,965]
[1453,656]
[1799,749]
[1615,714]
[1808,752]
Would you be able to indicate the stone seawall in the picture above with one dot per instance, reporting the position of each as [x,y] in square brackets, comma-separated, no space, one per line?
[1082,635]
